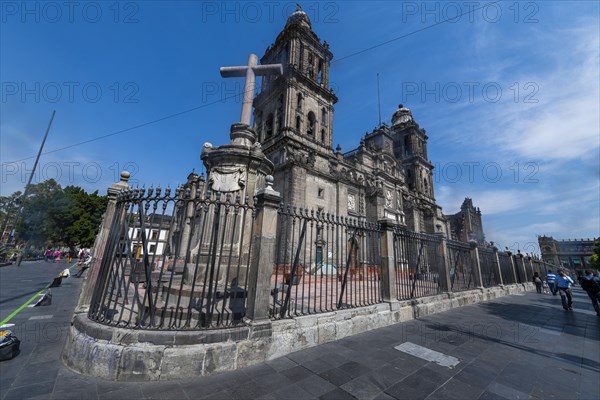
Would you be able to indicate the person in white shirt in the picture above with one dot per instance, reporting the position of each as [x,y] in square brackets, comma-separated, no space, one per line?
[563,283]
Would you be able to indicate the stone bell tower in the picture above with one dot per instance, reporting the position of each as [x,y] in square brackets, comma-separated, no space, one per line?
[298,104]
[410,146]
[293,116]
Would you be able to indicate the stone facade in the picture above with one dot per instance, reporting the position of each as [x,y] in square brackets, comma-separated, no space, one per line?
[387,176]
[466,224]
[573,254]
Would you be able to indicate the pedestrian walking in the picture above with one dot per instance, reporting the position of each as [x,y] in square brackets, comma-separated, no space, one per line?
[551,279]
[538,282]
[591,285]
[57,256]
[47,254]
[563,283]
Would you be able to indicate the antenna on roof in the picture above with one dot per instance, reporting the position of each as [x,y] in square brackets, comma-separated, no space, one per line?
[378,100]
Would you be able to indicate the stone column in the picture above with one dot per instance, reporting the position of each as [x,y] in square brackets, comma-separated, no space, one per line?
[98,252]
[497,261]
[263,254]
[445,283]
[524,278]
[512,266]
[476,264]
[530,265]
[186,232]
[388,264]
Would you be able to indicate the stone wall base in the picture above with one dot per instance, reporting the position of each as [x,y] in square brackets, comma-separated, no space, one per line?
[137,355]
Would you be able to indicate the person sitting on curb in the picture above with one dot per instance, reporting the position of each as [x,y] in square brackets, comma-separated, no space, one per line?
[551,279]
[563,283]
[591,285]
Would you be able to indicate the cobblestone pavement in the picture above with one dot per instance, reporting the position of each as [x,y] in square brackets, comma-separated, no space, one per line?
[517,347]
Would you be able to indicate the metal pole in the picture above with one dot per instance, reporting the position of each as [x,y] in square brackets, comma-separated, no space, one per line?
[37,159]
[378,100]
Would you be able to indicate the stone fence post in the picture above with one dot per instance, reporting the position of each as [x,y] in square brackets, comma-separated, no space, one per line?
[91,276]
[444,271]
[531,265]
[476,263]
[263,255]
[512,267]
[388,263]
[497,262]
[522,258]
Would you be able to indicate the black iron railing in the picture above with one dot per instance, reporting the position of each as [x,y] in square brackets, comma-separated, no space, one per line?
[489,270]
[323,263]
[506,268]
[175,261]
[461,266]
[418,264]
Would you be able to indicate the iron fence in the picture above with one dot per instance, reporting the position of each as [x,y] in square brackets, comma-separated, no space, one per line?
[506,268]
[323,263]
[487,263]
[175,261]
[517,261]
[528,268]
[462,268]
[418,263]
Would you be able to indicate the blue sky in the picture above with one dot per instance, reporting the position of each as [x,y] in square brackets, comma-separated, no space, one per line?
[508,93]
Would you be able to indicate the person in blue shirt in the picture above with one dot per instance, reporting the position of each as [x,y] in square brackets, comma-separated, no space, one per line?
[551,279]
[563,283]
[591,285]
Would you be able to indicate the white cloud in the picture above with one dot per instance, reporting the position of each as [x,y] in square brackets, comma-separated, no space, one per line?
[490,202]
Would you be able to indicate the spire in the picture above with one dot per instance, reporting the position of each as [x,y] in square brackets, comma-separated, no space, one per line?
[299,17]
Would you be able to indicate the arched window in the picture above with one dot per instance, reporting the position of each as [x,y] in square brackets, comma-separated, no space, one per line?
[298,123]
[323,135]
[320,72]
[323,116]
[269,126]
[310,129]
[258,125]
[279,122]
[299,101]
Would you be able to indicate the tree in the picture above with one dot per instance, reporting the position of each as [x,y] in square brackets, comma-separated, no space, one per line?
[8,210]
[595,258]
[36,224]
[56,216]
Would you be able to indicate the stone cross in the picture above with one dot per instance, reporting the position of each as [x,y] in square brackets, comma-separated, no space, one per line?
[250,72]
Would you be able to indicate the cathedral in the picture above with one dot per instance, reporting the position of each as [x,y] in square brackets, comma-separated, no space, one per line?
[388,175]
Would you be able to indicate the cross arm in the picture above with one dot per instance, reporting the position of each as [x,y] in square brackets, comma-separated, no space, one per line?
[233,72]
[272,69]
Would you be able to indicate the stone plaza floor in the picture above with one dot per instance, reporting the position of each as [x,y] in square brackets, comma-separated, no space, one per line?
[516,347]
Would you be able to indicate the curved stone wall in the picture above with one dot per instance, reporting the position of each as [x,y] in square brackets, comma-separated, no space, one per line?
[139,355]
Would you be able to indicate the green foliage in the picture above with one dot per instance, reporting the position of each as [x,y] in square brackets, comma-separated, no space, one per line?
[595,258]
[56,216]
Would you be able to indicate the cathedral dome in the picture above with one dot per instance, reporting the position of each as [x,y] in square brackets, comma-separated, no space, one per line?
[298,17]
[401,116]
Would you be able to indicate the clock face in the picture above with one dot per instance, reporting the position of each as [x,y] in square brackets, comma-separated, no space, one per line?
[405,118]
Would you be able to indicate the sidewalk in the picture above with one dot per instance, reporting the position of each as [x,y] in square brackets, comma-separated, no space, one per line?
[522,346]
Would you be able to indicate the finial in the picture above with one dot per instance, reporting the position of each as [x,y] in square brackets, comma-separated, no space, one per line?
[299,7]
[125,175]
[269,180]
